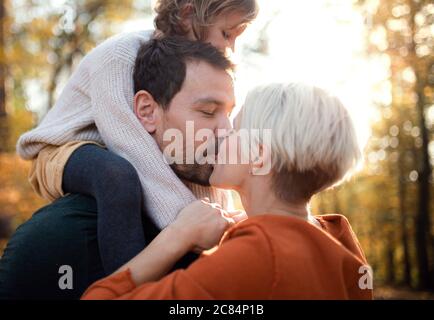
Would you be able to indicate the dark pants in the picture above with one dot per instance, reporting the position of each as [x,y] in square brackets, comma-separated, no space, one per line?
[63,233]
[115,185]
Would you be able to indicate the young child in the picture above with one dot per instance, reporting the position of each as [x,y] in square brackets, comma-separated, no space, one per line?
[90,142]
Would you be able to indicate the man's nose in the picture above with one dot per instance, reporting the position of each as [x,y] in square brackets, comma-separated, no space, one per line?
[223,127]
[225,124]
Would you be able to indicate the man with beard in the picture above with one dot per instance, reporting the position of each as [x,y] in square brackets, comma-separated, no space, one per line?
[56,253]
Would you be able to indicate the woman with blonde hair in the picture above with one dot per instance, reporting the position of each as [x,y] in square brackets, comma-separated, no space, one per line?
[95,110]
[281,251]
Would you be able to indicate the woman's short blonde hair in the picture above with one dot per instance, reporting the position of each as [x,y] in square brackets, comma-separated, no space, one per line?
[169,21]
[313,139]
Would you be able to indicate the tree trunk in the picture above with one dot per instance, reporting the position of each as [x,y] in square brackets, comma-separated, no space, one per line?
[422,221]
[390,259]
[422,216]
[403,221]
[2,61]
[3,115]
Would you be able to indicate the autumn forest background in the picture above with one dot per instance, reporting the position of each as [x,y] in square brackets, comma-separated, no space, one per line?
[389,203]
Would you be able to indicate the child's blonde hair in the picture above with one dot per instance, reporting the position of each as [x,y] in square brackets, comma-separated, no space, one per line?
[169,20]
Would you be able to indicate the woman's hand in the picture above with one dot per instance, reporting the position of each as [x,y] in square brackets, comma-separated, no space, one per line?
[202,224]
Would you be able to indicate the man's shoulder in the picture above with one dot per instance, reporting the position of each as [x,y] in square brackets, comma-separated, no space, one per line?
[62,233]
[67,221]
[72,204]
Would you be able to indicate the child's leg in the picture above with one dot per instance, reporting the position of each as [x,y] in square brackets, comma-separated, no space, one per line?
[115,185]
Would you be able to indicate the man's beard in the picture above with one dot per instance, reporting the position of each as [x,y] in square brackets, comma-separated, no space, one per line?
[196,173]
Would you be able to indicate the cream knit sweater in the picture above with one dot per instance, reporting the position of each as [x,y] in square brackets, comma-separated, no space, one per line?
[97,105]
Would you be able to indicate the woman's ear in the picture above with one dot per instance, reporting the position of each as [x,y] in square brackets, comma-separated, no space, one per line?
[147,110]
[261,162]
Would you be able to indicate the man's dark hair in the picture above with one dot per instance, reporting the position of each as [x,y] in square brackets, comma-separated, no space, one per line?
[160,67]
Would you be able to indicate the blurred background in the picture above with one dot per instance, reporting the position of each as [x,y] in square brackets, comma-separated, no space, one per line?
[376,55]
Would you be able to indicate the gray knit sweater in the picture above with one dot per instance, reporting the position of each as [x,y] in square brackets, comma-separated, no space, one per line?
[97,105]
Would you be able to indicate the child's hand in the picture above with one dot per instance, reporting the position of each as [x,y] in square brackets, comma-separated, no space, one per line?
[202,224]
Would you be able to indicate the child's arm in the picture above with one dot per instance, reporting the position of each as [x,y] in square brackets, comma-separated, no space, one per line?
[112,94]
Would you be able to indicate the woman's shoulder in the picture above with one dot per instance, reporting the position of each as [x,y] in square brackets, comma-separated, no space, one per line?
[286,232]
[249,227]
[250,237]
[261,233]
[268,224]
[339,227]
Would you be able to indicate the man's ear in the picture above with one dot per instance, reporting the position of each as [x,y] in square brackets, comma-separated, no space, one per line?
[147,110]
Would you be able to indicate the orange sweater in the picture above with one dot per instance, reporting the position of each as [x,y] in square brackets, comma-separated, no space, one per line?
[264,257]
